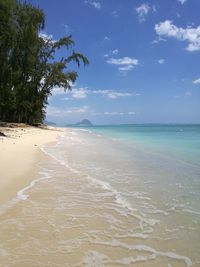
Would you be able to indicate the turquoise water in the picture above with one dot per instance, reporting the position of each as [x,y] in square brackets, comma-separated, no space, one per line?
[182,141]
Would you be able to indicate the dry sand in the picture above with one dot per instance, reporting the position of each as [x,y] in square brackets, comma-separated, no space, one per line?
[19,155]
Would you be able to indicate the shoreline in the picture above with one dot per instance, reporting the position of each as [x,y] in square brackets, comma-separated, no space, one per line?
[88,206]
[20,154]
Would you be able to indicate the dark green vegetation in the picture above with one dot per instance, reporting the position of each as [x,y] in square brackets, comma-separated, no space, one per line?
[29,68]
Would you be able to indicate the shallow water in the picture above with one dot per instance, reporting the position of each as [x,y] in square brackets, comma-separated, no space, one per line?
[109,197]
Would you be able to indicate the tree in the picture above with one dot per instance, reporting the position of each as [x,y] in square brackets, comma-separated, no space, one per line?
[8,36]
[29,68]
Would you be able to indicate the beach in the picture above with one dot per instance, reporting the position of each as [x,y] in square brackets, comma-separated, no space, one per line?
[19,152]
[92,197]
[99,133]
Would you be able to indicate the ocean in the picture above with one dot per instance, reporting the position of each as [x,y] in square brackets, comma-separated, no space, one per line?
[124,195]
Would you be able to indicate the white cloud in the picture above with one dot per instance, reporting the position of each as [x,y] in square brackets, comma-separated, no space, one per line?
[59,112]
[125,69]
[115,14]
[61,90]
[46,37]
[58,91]
[119,113]
[182,1]
[78,109]
[115,51]
[74,112]
[79,93]
[93,3]
[83,92]
[161,61]
[154,8]
[75,93]
[186,94]
[124,64]
[112,52]
[123,61]
[52,111]
[189,34]
[112,94]
[144,9]
[67,29]
[111,113]
[197,81]
[142,12]
[158,40]
[106,38]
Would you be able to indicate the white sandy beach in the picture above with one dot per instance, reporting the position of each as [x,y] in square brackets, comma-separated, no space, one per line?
[19,152]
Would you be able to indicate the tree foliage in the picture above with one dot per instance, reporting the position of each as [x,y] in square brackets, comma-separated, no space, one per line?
[29,69]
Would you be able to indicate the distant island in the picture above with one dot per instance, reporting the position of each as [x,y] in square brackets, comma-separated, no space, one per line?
[83,123]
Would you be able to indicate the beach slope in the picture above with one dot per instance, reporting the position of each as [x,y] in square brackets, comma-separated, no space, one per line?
[19,156]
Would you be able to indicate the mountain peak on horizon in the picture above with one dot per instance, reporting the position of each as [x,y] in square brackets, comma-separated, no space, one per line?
[84,122]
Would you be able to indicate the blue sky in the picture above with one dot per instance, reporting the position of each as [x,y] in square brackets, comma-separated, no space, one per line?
[144,60]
